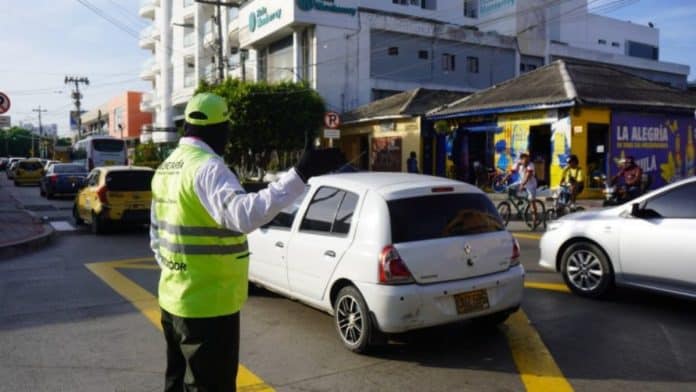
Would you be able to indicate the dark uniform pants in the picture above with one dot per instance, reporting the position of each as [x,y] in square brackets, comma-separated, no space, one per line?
[202,353]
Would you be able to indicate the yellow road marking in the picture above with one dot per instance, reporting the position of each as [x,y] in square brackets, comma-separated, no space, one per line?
[148,305]
[527,236]
[547,286]
[538,370]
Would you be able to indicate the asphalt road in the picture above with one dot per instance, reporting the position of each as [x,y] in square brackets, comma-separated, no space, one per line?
[64,327]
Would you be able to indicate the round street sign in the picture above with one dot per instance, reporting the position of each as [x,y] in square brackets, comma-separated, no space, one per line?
[4,103]
[332,120]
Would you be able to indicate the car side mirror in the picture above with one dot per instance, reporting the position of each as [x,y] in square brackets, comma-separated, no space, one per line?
[636,210]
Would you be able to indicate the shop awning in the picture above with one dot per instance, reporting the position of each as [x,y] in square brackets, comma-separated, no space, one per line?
[491,127]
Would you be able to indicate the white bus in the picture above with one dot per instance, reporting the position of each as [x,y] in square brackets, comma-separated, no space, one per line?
[98,151]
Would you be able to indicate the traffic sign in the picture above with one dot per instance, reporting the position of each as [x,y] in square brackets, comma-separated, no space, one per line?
[332,120]
[4,103]
[332,134]
[5,122]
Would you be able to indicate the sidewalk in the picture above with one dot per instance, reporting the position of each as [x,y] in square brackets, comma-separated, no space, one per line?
[19,228]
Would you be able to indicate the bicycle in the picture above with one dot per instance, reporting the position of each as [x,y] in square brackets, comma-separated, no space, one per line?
[561,204]
[523,209]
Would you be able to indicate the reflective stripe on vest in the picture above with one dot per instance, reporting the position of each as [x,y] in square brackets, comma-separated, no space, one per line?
[205,266]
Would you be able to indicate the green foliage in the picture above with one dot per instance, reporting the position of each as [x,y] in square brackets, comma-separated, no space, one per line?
[147,155]
[267,117]
[15,142]
[64,142]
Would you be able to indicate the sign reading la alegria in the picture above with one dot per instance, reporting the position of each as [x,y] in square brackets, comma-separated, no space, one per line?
[657,141]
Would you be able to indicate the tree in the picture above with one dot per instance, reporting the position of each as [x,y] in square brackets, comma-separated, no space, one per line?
[269,122]
[15,142]
[147,155]
[64,142]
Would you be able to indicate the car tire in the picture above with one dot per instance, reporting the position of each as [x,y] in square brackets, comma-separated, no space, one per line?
[353,321]
[505,211]
[16,183]
[41,191]
[98,225]
[587,271]
[76,216]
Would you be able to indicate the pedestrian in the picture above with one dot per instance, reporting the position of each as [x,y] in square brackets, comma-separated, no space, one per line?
[412,163]
[200,215]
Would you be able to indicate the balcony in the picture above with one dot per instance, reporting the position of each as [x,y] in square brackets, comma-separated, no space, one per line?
[148,8]
[148,102]
[150,69]
[147,37]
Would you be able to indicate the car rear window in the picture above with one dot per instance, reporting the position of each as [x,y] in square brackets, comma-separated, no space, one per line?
[30,165]
[440,216]
[69,169]
[129,180]
[108,145]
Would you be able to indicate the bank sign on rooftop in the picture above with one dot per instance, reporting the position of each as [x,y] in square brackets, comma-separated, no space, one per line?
[320,5]
[262,17]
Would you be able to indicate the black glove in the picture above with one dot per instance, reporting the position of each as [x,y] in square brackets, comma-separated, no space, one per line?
[317,162]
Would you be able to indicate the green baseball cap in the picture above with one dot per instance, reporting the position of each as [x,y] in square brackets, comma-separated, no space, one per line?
[206,109]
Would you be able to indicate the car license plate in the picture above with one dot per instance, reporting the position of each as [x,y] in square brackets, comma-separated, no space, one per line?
[472,301]
[109,163]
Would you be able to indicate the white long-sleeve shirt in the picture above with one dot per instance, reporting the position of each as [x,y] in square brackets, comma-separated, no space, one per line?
[227,202]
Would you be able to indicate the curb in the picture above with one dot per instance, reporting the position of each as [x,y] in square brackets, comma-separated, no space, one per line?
[22,246]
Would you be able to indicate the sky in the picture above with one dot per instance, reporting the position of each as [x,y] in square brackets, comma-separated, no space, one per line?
[45,40]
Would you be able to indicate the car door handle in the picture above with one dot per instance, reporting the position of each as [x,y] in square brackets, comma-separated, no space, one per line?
[279,245]
[330,253]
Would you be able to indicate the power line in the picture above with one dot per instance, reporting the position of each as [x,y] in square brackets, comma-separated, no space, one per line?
[96,10]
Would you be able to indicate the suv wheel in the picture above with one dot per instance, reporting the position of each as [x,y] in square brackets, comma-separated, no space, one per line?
[586,270]
[98,225]
[352,319]
[76,216]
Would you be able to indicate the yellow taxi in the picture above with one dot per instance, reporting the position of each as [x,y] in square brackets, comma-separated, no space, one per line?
[28,171]
[114,195]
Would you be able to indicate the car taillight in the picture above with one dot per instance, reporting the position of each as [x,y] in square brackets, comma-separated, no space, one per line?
[515,258]
[90,163]
[392,269]
[53,178]
[101,193]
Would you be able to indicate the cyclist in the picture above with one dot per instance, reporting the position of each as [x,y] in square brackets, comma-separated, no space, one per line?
[528,181]
[573,178]
[632,175]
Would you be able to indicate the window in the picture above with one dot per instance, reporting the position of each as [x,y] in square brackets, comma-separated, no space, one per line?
[448,62]
[429,4]
[393,51]
[108,145]
[401,2]
[286,216]
[616,44]
[472,64]
[637,49]
[93,178]
[68,169]
[677,203]
[602,42]
[423,54]
[188,3]
[135,180]
[30,165]
[441,216]
[471,8]
[330,211]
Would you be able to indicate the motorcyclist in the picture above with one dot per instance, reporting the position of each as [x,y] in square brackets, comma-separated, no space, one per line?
[632,175]
[573,177]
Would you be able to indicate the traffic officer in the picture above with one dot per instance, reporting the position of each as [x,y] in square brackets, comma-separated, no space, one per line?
[200,214]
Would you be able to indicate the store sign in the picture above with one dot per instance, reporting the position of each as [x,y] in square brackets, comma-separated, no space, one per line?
[5,122]
[487,7]
[262,17]
[662,145]
[321,5]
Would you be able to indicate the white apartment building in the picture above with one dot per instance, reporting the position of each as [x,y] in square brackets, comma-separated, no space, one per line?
[355,51]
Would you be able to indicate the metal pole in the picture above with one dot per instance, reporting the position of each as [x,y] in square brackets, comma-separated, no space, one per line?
[221,65]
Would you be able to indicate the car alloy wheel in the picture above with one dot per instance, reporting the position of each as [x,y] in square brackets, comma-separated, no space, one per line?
[352,320]
[586,270]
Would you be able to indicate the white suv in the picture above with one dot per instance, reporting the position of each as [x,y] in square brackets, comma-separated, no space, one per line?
[390,252]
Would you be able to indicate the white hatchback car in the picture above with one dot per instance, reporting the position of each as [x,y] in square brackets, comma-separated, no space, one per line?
[648,243]
[390,252]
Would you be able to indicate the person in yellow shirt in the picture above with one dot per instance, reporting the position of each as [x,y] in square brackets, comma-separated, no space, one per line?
[573,177]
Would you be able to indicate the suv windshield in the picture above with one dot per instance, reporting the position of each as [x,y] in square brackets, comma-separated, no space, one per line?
[129,180]
[68,169]
[440,216]
[106,145]
[30,165]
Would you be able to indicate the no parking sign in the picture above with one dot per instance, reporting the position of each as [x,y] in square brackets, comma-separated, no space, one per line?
[4,103]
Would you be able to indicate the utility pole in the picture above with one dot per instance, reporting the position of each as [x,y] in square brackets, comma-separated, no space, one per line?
[76,97]
[218,21]
[39,110]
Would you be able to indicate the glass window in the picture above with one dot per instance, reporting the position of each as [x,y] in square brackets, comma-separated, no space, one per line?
[471,8]
[472,64]
[440,216]
[68,169]
[602,42]
[108,145]
[345,214]
[448,62]
[678,203]
[136,180]
[322,210]
[30,165]
[393,51]
[93,178]
[423,54]
[286,216]
[637,49]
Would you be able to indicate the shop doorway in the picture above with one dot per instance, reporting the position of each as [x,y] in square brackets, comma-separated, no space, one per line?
[540,151]
[597,152]
[364,160]
[480,155]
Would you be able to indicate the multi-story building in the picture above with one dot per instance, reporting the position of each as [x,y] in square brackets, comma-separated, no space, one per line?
[355,51]
[46,130]
[119,117]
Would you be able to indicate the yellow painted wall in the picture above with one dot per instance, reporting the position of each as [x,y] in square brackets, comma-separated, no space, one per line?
[408,129]
[579,120]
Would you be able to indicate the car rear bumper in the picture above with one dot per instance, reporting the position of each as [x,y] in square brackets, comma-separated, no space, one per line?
[406,307]
[135,217]
[27,180]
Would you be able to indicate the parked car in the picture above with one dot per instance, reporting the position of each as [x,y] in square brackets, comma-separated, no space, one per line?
[114,195]
[647,243]
[11,166]
[3,163]
[390,252]
[28,171]
[62,178]
[49,163]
